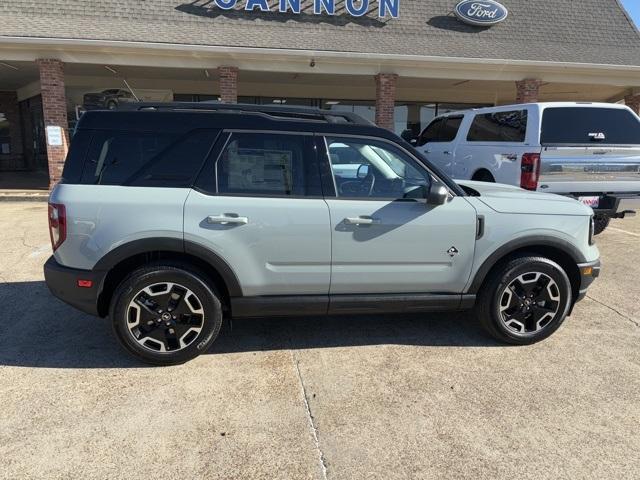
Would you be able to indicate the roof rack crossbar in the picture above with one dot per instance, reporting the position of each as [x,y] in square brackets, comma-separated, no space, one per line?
[277,111]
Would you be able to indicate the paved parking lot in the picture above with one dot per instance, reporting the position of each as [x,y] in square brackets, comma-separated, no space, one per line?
[422,396]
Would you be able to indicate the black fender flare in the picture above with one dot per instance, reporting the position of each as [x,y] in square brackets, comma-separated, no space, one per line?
[535,241]
[177,245]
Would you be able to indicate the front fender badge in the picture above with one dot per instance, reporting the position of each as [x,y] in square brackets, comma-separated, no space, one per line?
[453,251]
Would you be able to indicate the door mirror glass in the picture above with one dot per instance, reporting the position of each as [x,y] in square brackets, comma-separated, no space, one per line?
[363,171]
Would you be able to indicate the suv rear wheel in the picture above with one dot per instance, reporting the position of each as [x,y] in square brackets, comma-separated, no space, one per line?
[166,314]
[525,300]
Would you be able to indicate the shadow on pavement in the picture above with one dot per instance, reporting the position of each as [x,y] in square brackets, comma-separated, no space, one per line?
[38,330]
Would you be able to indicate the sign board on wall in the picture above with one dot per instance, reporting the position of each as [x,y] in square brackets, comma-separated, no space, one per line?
[481,13]
[354,8]
[54,136]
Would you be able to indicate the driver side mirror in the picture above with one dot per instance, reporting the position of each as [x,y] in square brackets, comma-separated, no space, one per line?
[437,195]
[431,195]
[407,136]
[363,171]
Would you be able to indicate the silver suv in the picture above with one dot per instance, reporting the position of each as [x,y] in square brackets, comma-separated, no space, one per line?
[171,218]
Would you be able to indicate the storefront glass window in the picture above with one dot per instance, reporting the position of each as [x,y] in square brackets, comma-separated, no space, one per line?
[5,135]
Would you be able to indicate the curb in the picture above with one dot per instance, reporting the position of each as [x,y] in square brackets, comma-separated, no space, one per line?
[18,197]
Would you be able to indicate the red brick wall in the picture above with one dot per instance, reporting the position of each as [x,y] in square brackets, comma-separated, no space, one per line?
[633,102]
[528,90]
[9,107]
[228,84]
[54,108]
[385,99]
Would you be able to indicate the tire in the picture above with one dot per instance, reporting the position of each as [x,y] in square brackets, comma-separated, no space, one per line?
[112,105]
[166,314]
[506,310]
[600,224]
[483,176]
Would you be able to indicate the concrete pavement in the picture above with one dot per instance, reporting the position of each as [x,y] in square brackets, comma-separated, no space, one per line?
[421,396]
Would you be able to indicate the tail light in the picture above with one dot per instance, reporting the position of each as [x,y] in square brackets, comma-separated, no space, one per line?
[530,171]
[57,224]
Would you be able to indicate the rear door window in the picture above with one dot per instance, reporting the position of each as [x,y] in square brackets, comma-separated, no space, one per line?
[585,125]
[146,159]
[510,126]
[268,164]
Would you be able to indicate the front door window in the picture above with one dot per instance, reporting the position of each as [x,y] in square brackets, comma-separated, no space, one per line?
[374,169]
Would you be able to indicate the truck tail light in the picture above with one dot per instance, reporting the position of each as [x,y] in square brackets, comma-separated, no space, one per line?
[530,171]
[57,224]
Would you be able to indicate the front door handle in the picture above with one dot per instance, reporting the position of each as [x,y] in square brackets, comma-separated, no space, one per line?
[359,220]
[227,219]
[447,152]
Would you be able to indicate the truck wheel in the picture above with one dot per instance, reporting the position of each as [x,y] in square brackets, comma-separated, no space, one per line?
[166,314]
[524,300]
[483,176]
[600,224]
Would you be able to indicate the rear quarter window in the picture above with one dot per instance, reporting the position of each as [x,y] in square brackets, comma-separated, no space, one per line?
[585,125]
[146,159]
[510,126]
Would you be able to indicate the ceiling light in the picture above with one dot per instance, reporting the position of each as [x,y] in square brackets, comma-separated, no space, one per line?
[206,73]
[332,102]
[112,70]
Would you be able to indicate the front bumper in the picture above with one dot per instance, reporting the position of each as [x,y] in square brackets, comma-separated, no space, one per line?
[63,283]
[588,273]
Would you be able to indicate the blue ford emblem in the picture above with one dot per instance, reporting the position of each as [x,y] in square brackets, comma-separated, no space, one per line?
[481,13]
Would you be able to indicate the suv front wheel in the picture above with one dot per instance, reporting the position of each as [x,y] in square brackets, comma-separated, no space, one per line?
[166,314]
[525,300]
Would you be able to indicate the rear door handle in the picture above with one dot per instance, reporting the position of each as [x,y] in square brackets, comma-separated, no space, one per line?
[227,219]
[359,220]
[447,152]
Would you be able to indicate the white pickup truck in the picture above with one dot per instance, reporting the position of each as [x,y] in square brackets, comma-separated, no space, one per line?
[589,151]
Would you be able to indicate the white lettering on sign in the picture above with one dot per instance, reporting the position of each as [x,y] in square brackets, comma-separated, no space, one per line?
[355,8]
[54,136]
[482,10]
[481,13]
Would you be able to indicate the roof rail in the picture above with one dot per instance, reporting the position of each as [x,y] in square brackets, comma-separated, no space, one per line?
[278,112]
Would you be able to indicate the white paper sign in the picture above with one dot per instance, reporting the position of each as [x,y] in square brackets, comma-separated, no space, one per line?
[54,136]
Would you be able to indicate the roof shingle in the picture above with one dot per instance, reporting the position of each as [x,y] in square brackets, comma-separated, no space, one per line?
[588,31]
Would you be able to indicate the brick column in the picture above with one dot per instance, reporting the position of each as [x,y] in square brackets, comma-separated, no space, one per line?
[54,108]
[385,99]
[633,102]
[528,90]
[228,84]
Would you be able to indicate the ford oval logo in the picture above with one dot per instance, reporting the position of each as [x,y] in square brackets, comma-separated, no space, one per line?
[481,13]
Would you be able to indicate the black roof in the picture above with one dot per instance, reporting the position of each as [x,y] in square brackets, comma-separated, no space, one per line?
[185,116]
[275,111]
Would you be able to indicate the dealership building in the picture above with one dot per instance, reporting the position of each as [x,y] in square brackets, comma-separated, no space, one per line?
[396,62]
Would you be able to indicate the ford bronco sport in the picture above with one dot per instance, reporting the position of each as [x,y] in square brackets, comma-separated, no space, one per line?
[170,218]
